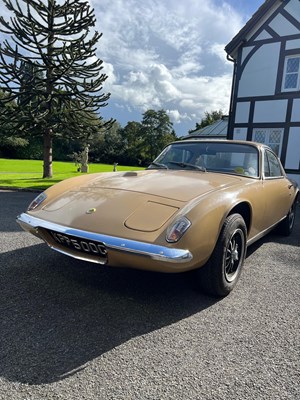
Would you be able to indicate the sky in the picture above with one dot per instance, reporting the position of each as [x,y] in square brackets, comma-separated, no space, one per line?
[168,54]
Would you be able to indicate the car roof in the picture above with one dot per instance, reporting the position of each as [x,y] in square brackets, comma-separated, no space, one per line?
[244,142]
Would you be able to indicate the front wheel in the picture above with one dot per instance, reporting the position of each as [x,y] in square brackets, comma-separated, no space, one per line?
[221,273]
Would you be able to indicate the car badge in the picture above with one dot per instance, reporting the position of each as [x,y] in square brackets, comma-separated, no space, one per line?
[90,211]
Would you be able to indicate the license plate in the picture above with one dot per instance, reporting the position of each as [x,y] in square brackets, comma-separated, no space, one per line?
[82,245]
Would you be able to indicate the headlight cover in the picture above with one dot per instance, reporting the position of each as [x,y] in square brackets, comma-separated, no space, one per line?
[37,201]
[177,229]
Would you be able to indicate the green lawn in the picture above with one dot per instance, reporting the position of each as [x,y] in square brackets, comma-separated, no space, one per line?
[28,173]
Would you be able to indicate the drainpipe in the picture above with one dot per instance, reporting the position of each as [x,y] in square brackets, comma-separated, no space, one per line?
[230,119]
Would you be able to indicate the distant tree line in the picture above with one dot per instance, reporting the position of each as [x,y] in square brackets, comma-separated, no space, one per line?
[135,144]
[209,119]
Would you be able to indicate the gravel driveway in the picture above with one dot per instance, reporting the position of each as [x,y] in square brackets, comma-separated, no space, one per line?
[72,330]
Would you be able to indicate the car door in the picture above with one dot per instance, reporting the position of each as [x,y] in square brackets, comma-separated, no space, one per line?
[277,189]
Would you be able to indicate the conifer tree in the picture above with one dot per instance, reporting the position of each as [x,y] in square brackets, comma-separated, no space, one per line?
[52,39]
[158,131]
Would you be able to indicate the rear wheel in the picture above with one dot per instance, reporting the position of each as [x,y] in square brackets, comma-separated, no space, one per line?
[221,273]
[286,226]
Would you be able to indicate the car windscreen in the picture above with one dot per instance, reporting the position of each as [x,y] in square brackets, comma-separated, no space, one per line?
[241,159]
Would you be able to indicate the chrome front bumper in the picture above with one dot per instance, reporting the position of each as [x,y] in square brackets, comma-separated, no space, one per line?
[155,252]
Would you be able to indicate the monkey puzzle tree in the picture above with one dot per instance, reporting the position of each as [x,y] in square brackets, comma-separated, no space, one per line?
[48,65]
[6,141]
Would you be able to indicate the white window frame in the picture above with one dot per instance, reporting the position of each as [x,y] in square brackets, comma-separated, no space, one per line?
[285,73]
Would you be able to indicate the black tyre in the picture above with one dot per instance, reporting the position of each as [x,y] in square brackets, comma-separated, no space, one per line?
[286,226]
[221,273]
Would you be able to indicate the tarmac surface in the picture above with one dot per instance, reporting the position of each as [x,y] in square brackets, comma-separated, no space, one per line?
[76,331]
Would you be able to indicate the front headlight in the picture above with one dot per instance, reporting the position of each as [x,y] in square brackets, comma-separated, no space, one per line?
[177,229]
[37,201]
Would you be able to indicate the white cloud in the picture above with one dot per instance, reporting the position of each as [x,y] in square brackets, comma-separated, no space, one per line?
[168,54]
[109,70]
[217,49]
[176,117]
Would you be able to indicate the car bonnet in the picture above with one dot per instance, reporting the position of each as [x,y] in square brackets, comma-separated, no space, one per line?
[137,201]
[176,185]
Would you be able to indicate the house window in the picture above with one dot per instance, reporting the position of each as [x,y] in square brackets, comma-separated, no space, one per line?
[291,79]
[269,136]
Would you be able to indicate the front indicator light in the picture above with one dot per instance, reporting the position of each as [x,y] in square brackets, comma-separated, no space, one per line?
[37,201]
[177,229]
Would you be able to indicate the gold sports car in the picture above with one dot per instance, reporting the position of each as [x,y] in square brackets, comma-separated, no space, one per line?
[197,206]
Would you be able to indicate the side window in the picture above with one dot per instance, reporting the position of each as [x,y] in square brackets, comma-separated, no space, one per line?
[272,167]
[266,166]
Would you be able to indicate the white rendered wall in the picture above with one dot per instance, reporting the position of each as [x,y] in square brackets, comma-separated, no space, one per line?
[263,35]
[242,112]
[293,149]
[246,51]
[240,134]
[282,26]
[294,9]
[270,111]
[295,178]
[296,111]
[260,73]
[293,44]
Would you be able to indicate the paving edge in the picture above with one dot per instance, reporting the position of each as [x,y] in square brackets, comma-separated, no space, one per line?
[13,189]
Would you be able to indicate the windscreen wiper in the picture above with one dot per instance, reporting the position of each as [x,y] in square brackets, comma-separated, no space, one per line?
[159,165]
[185,164]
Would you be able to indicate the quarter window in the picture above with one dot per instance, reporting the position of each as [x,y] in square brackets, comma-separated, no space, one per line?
[291,78]
[272,168]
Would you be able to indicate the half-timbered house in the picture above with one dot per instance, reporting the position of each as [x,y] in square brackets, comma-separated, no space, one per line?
[265,98]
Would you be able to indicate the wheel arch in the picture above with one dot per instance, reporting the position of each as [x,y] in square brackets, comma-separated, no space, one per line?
[245,210]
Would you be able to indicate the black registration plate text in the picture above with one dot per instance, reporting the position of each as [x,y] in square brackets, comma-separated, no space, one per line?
[79,244]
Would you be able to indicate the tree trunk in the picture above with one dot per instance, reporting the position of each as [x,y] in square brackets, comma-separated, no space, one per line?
[48,154]
[49,89]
